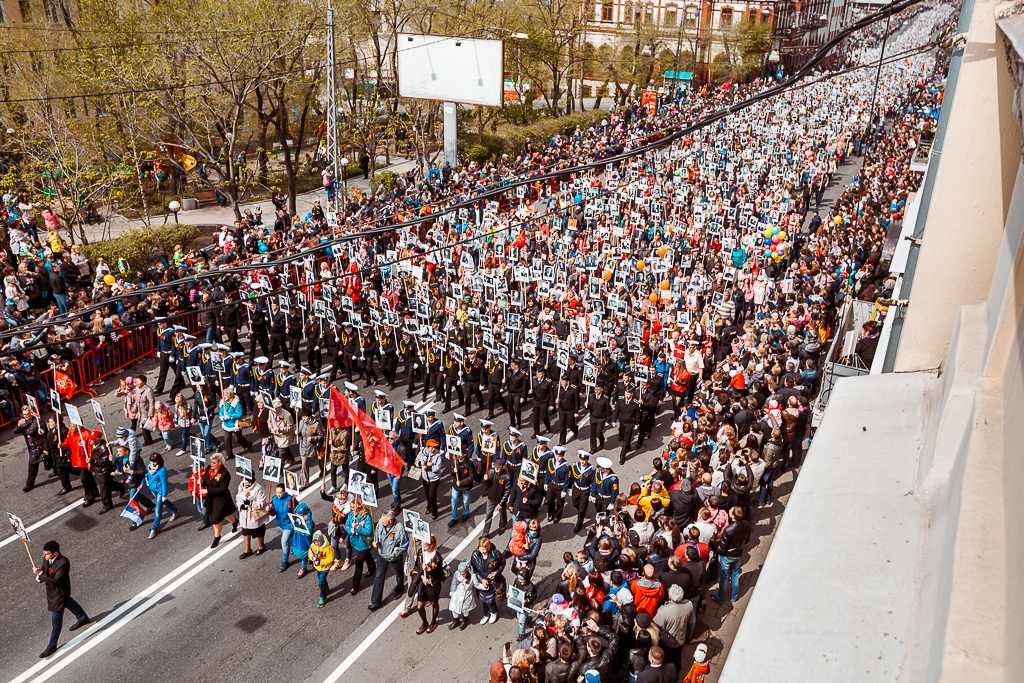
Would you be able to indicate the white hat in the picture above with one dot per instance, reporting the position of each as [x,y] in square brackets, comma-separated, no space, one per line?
[701,654]
[351,387]
[583,454]
[542,439]
[514,432]
[456,416]
[486,423]
[262,360]
[283,364]
[379,394]
[409,404]
[604,463]
[560,449]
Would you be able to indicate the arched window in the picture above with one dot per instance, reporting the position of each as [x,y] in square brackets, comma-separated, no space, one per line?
[752,17]
[627,13]
[670,15]
[607,10]
[691,17]
[726,20]
[589,63]
[627,61]
[649,14]
[766,17]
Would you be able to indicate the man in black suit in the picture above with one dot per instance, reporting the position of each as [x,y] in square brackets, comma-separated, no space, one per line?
[658,671]
[56,575]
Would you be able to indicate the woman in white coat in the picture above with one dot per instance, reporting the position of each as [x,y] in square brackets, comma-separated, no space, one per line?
[462,600]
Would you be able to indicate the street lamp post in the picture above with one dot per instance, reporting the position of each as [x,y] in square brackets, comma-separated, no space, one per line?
[344,176]
[175,207]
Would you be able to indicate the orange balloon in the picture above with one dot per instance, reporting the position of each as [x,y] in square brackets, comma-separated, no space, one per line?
[653,297]
[661,251]
[639,265]
[607,275]
[665,284]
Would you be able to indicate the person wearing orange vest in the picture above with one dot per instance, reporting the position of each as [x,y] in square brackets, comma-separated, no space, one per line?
[79,444]
[700,667]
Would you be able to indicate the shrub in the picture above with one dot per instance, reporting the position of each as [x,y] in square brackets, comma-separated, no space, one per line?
[143,247]
[478,153]
[383,178]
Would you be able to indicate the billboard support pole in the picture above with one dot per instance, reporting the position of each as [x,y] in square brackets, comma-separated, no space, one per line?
[332,108]
[451,134]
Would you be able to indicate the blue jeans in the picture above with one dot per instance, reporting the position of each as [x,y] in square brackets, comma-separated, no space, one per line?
[160,502]
[728,571]
[212,335]
[211,441]
[57,620]
[184,438]
[692,624]
[456,495]
[321,581]
[396,490]
[62,302]
[767,487]
[382,573]
[166,434]
[488,605]
[286,544]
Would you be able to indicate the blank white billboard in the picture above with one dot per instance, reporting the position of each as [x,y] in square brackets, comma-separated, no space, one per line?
[465,70]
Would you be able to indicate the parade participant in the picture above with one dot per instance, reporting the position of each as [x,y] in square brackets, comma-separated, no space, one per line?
[395,481]
[526,499]
[605,487]
[582,473]
[498,488]
[600,410]
[310,436]
[55,574]
[251,501]
[487,564]
[280,505]
[473,368]
[302,538]
[568,404]
[78,443]
[390,542]
[219,504]
[543,392]
[359,527]
[431,574]
[453,378]
[340,445]
[34,432]
[462,596]
[60,456]
[230,413]
[517,383]
[156,480]
[431,464]
[495,372]
[557,483]
[627,413]
[322,556]
[341,508]
[462,483]
[513,451]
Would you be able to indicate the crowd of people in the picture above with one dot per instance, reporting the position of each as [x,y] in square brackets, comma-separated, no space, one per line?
[700,280]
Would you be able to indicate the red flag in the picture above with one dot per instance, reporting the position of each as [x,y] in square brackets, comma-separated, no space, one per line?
[65,386]
[727,84]
[377,450]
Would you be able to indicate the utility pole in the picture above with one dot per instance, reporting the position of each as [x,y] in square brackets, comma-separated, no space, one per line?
[332,106]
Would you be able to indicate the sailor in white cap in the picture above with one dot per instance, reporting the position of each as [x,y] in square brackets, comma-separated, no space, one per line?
[283,380]
[263,378]
[582,480]
[403,425]
[164,351]
[383,411]
[486,443]
[605,486]
[540,455]
[514,451]
[557,482]
[460,429]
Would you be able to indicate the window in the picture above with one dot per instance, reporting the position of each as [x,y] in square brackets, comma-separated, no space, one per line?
[606,11]
[670,15]
[25,6]
[649,14]
[691,17]
[766,17]
[627,13]
[726,20]
[3,13]
[752,18]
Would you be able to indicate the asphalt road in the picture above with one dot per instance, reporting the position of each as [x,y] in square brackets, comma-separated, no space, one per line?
[172,608]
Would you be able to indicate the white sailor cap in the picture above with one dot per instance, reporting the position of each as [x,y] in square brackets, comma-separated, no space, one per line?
[584,455]
[351,387]
[604,463]
[542,439]
[262,360]
[559,449]
[514,432]
[409,404]
[456,416]
[486,423]
[379,394]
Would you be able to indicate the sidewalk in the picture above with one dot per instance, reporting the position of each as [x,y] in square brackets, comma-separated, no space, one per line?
[215,215]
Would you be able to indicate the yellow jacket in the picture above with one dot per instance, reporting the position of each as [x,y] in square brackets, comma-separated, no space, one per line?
[645,502]
[322,556]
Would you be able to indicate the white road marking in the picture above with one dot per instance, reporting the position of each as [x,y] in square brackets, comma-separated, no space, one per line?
[115,620]
[45,520]
[390,619]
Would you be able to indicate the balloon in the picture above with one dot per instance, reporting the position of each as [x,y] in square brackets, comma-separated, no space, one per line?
[782,235]
[639,265]
[653,297]
[108,278]
[774,247]
[661,251]
[607,275]
[767,232]
[775,230]
[767,241]
[775,240]
[665,284]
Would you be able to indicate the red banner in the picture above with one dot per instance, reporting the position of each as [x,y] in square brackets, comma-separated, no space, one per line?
[378,450]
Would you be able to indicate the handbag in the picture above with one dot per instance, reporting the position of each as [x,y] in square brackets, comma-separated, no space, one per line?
[244,422]
[149,425]
[414,473]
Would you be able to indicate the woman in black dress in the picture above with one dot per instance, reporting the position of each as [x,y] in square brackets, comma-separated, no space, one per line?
[219,504]
[431,571]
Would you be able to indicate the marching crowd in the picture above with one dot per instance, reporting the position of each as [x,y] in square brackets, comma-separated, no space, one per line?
[700,279]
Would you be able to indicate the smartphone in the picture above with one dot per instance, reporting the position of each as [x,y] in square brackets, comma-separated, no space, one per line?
[508,647]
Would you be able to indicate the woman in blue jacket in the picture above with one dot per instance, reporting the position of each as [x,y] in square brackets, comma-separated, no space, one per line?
[156,480]
[359,526]
[280,505]
[303,538]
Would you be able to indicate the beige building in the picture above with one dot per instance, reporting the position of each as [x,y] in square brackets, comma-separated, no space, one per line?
[901,552]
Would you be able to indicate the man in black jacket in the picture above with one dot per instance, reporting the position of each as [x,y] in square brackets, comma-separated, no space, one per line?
[730,550]
[597,656]
[684,504]
[498,487]
[600,413]
[627,413]
[568,403]
[56,575]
